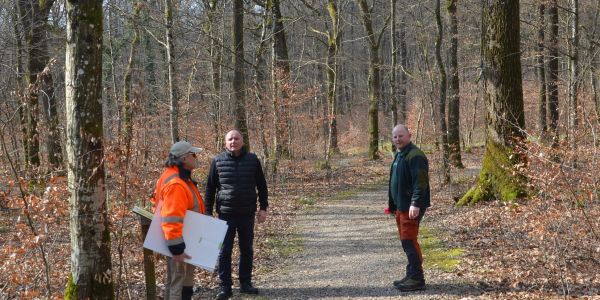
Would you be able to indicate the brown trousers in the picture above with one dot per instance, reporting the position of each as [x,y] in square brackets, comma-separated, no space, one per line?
[408,229]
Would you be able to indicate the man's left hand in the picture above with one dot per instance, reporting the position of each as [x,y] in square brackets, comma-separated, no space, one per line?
[413,212]
[262,216]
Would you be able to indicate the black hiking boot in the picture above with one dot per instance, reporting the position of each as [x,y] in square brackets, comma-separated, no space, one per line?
[397,282]
[224,293]
[247,288]
[411,285]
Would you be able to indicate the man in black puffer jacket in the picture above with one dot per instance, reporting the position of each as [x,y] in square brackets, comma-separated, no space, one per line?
[235,176]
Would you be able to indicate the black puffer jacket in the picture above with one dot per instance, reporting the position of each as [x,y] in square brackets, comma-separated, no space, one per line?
[235,180]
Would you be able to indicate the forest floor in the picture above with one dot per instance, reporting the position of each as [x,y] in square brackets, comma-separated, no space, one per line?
[328,238]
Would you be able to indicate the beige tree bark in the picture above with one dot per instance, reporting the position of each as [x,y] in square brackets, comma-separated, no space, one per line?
[505,118]
[91,275]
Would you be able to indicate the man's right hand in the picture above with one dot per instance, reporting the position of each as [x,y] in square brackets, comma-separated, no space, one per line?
[181,257]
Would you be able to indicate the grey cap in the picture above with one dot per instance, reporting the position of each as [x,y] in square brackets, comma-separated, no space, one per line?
[182,147]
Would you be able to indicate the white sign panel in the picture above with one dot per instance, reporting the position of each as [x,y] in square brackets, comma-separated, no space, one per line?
[203,236]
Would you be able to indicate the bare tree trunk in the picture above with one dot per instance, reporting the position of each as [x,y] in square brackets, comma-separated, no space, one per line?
[18,30]
[374,79]
[440,110]
[127,108]
[553,55]
[216,59]
[505,118]
[259,79]
[173,95]
[113,100]
[333,40]
[149,65]
[282,79]
[594,83]
[573,43]
[542,125]
[91,275]
[594,63]
[453,89]
[393,71]
[402,98]
[239,85]
[33,16]
[188,94]
[54,149]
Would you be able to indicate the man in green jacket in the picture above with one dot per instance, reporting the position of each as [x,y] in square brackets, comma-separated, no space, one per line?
[409,197]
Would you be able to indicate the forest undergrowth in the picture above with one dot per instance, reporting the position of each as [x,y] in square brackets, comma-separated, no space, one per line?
[543,247]
[540,248]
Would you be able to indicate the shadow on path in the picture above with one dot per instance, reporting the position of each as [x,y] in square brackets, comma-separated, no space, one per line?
[438,289]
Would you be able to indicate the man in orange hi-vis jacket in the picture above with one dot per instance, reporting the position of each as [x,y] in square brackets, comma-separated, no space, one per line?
[178,192]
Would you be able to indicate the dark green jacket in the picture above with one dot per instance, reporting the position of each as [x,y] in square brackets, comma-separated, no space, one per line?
[412,179]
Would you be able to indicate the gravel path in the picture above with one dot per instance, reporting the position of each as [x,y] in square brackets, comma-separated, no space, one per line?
[352,250]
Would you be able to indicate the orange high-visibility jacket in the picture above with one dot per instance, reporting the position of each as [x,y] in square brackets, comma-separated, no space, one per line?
[177,196]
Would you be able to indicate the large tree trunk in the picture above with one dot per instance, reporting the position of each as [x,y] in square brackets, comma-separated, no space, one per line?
[91,276]
[542,125]
[333,40]
[374,79]
[453,89]
[505,118]
[553,56]
[34,16]
[281,76]
[239,85]
[173,95]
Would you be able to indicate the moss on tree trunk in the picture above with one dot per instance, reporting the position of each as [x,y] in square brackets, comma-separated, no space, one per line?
[100,290]
[497,179]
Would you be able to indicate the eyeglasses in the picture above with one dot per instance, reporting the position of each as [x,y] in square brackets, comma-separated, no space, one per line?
[192,154]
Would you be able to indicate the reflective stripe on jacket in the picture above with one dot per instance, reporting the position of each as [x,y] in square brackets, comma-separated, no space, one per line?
[177,197]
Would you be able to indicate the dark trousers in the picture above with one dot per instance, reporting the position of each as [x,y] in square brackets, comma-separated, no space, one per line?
[244,226]
[409,231]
